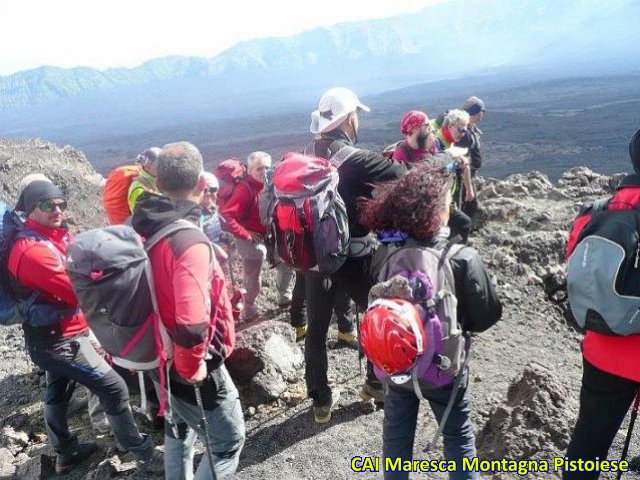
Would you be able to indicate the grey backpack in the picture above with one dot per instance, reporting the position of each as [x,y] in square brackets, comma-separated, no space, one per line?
[603,274]
[112,279]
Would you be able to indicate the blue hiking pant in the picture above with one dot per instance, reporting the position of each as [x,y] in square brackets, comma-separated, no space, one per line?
[401,416]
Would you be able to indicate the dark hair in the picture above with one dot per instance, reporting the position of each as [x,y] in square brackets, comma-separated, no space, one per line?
[412,203]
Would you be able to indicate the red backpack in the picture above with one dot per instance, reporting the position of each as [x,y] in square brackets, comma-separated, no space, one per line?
[305,217]
[229,173]
[115,193]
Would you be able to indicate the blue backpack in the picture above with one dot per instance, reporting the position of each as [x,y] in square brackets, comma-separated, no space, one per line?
[20,307]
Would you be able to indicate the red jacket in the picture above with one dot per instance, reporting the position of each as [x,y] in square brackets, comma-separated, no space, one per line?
[241,210]
[192,303]
[405,153]
[39,265]
[618,355]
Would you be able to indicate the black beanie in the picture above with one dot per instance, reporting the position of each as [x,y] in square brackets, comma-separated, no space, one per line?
[36,192]
[634,151]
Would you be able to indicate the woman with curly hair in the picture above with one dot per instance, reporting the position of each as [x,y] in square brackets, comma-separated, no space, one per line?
[413,212]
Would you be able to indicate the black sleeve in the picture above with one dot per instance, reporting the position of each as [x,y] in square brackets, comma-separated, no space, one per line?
[466,141]
[478,304]
[471,140]
[374,167]
[475,151]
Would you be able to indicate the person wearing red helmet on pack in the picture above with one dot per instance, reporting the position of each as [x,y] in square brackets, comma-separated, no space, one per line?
[414,211]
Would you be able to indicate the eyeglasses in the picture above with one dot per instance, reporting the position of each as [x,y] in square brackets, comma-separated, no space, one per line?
[49,205]
[211,190]
[427,127]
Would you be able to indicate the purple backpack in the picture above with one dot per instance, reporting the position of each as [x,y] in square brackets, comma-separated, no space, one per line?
[424,276]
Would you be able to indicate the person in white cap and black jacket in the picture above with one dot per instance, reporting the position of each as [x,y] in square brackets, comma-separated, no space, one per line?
[335,126]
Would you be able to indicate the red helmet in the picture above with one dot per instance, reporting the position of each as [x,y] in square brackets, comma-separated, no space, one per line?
[412,121]
[392,334]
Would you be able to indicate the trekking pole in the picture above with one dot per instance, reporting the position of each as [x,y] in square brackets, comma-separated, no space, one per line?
[460,186]
[632,421]
[205,427]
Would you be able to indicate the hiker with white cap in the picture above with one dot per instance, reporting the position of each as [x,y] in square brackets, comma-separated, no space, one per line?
[335,126]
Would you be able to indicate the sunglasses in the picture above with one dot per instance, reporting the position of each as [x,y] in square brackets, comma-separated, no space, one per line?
[461,129]
[211,190]
[49,205]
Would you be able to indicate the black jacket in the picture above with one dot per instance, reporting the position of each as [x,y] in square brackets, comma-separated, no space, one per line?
[471,140]
[358,174]
[478,304]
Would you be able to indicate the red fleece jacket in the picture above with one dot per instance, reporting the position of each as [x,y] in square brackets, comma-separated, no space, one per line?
[185,296]
[40,265]
[241,210]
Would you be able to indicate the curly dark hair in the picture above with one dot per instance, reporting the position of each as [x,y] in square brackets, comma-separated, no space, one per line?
[412,203]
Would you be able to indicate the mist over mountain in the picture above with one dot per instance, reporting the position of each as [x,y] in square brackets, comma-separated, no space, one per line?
[270,75]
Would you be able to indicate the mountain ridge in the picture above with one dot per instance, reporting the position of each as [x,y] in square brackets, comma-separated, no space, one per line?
[525,34]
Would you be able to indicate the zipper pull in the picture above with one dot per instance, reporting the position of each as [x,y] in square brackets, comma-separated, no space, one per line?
[635,264]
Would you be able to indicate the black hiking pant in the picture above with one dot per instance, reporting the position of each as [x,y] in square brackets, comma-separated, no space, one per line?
[604,402]
[460,224]
[341,307]
[470,209]
[353,279]
[71,360]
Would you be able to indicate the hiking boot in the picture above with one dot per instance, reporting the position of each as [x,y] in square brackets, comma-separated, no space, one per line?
[373,392]
[323,414]
[301,332]
[152,465]
[67,460]
[348,339]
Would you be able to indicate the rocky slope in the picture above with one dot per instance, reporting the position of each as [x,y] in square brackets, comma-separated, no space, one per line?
[525,374]
[65,166]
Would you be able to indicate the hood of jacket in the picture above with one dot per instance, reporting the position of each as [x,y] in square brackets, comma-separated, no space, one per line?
[154,212]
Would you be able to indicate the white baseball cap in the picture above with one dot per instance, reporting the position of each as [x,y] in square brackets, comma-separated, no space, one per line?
[333,108]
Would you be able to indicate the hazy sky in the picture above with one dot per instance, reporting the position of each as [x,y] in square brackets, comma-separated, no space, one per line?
[102,33]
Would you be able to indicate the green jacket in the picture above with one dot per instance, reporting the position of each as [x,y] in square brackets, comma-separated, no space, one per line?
[144,182]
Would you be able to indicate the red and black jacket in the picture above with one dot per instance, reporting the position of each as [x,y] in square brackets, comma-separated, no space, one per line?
[38,263]
[190,285]
[617,355]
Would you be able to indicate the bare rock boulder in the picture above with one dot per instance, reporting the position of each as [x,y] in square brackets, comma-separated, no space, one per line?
[265,361]
[535,422]
[14,441]
[7,469]
[39,467]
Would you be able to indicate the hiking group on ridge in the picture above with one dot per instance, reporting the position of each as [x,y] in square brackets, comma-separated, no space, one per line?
[377,235]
